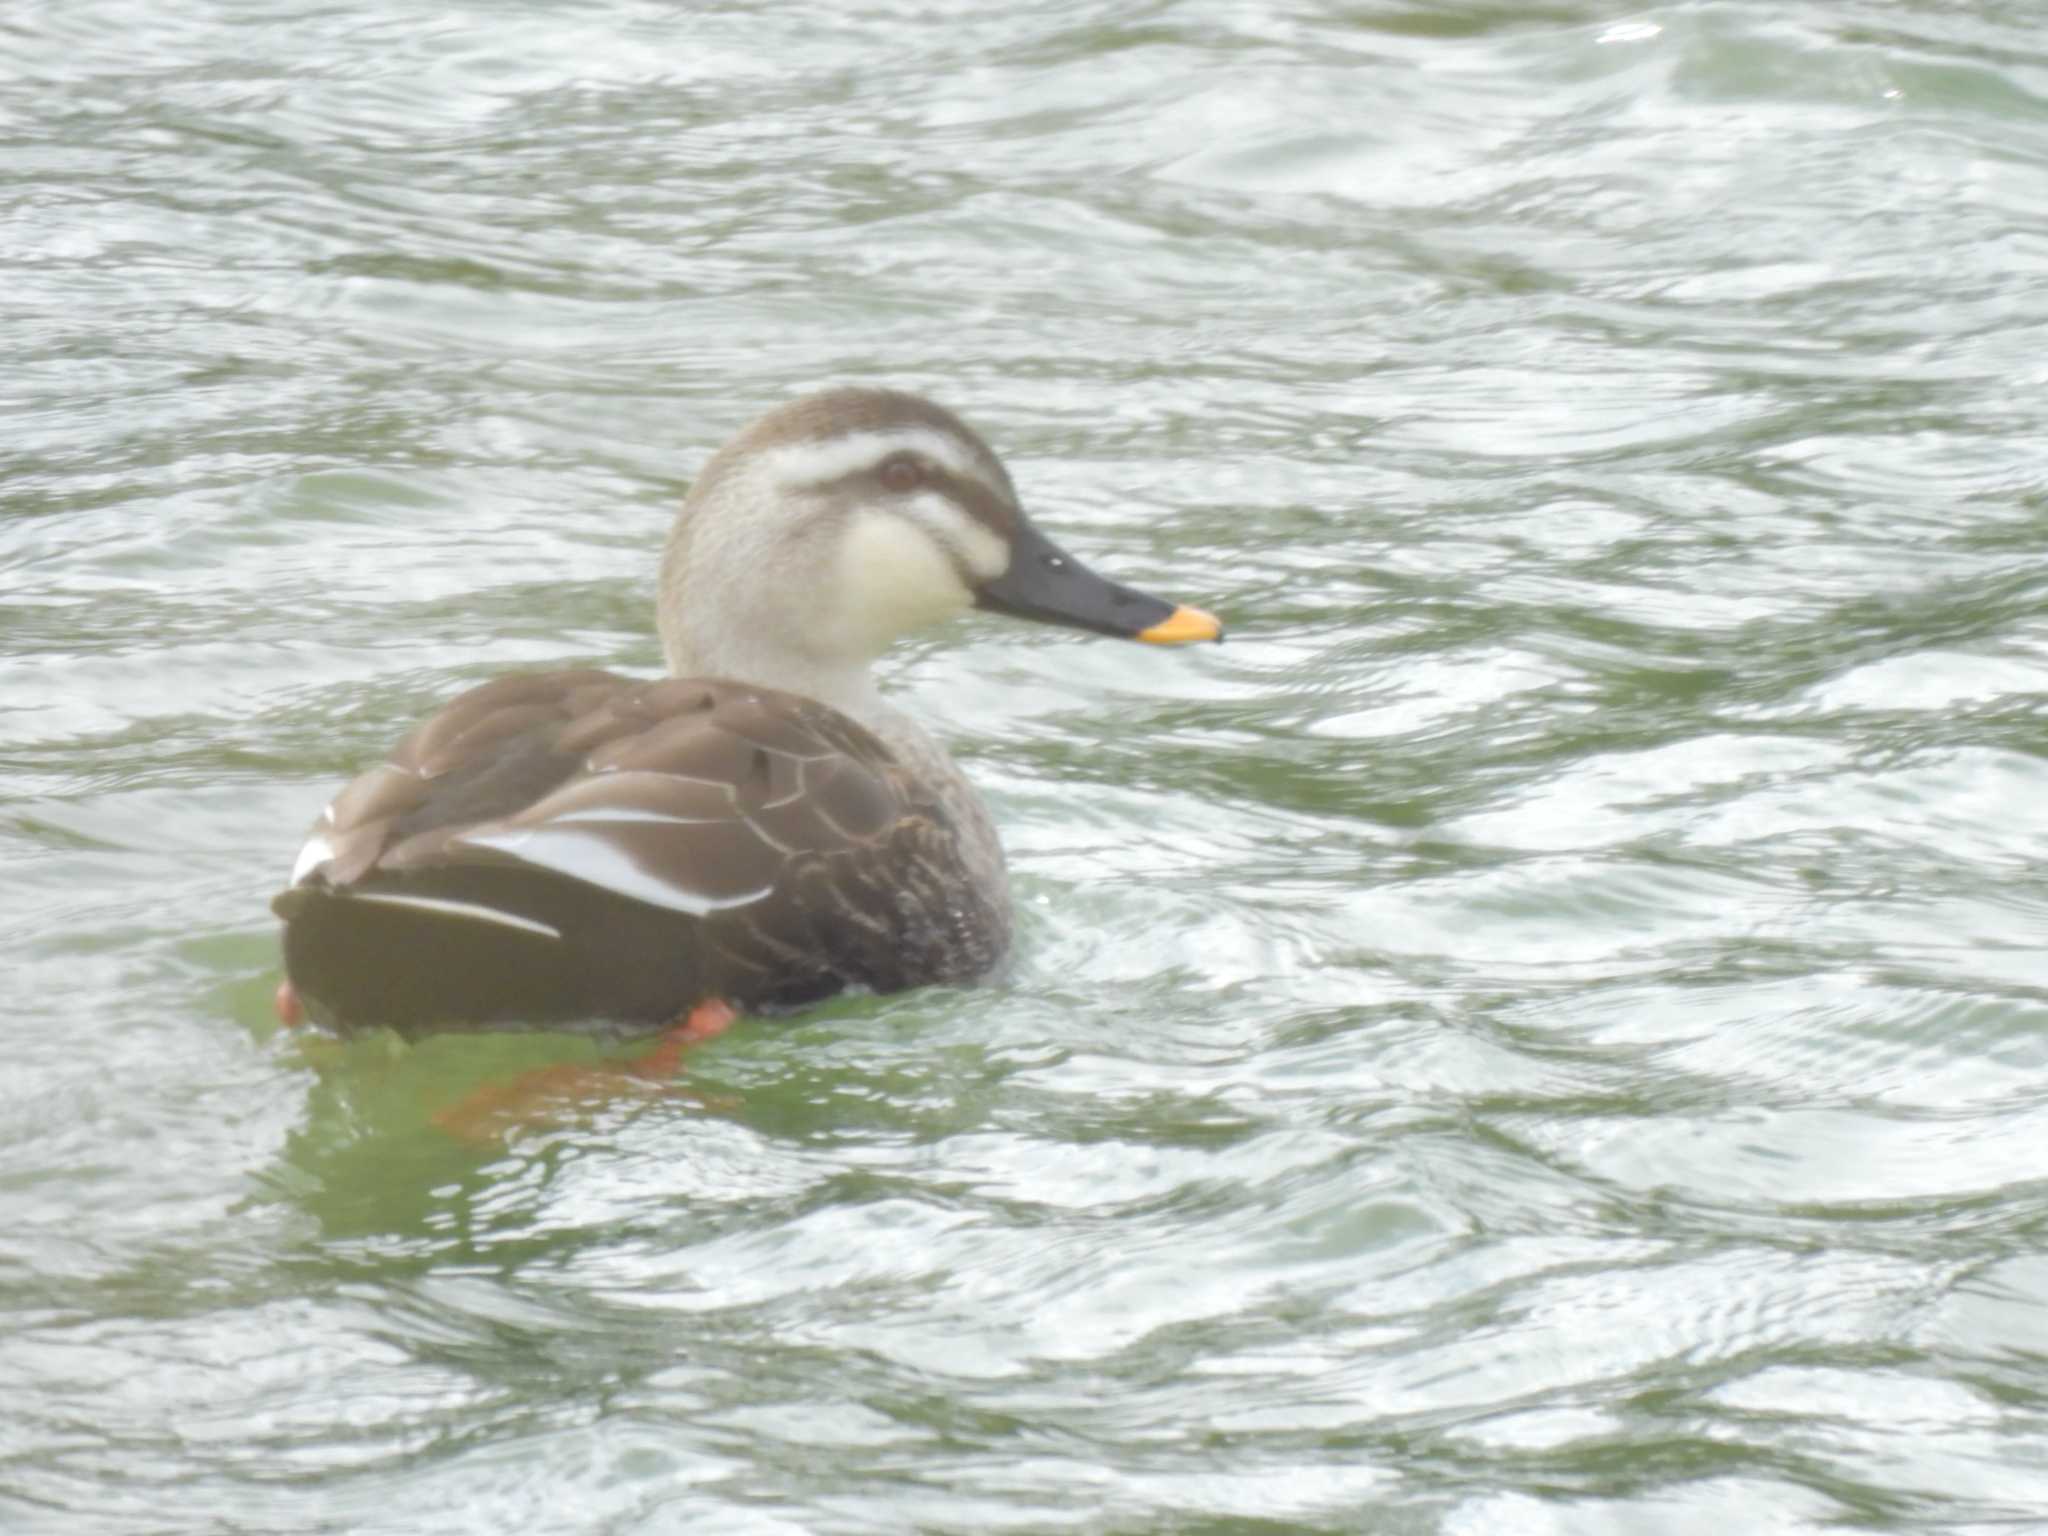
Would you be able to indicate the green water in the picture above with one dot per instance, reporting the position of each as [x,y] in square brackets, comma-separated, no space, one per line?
[1543,1032]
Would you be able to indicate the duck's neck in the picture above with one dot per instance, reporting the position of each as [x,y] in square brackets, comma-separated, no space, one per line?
[847,687]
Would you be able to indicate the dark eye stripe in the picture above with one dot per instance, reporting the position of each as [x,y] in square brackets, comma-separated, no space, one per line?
[994,512]
[974,499]
[902,472]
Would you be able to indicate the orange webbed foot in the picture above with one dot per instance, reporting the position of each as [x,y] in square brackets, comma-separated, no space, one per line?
[707,1021]
[550,1095]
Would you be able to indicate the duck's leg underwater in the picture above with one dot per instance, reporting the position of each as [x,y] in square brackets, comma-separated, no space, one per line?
[548,1095]
[707,1021]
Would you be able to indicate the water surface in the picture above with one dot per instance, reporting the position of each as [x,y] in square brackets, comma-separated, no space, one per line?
[1542,1032]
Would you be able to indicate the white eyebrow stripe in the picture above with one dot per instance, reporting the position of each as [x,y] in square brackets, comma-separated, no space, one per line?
[472,911]
[823,460]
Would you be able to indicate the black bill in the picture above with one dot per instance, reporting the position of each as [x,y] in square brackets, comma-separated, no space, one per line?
[1046,584]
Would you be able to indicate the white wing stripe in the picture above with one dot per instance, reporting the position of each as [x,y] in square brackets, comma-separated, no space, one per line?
[318,851]
[619,813]
[594,861]
[464,909]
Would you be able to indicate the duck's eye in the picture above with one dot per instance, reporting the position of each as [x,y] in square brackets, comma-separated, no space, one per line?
[902,474]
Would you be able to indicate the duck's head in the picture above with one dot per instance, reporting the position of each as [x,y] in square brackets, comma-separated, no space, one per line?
[841,522]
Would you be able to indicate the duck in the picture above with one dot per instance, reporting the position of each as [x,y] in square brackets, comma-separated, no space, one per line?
[759,830]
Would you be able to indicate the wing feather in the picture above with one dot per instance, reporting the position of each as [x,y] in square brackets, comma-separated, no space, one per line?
[762,839]
[686,794]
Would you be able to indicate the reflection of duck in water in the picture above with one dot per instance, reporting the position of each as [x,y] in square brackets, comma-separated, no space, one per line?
[761,829]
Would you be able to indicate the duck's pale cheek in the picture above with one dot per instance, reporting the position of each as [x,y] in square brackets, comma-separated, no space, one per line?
[987,554]
[893,579]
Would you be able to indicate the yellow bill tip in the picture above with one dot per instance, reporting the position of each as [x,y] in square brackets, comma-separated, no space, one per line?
[1183,626]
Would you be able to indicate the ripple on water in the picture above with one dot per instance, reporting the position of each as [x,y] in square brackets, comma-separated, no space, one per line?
[1538,1033]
